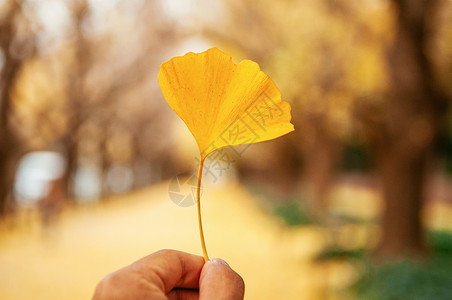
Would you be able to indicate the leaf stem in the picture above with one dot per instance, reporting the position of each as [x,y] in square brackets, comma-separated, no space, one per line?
[198,202]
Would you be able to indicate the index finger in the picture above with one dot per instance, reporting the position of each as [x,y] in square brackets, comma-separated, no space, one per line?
[170,269]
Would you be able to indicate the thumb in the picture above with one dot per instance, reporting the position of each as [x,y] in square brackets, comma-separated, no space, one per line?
[218,281]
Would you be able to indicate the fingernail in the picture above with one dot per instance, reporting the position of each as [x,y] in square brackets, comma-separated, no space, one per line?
[218,261]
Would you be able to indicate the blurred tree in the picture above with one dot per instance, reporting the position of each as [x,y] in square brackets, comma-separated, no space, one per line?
[16,46]
[91,93]
[321,61]
[413,117]
[100,76]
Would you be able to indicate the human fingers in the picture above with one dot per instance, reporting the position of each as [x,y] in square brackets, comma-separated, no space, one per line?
[171,269]
[218,281]
[153,276]
[183,294]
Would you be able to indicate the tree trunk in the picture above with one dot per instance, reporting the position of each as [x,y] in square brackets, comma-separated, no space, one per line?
[321,157]
[403,178]
[6,161]
[9,146]
[414,116]
[70,148]
[8,74]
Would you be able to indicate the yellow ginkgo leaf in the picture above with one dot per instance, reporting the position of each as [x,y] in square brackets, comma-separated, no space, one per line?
[223,104]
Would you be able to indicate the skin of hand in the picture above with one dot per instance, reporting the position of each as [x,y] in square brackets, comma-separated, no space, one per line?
[171,274]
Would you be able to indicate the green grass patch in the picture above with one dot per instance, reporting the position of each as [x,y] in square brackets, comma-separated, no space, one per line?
[408,279]
[293,213]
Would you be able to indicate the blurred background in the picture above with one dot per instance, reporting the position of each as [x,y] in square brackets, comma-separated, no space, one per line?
[96,171]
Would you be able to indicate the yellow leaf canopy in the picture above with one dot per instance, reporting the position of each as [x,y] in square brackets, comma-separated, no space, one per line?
[223,104]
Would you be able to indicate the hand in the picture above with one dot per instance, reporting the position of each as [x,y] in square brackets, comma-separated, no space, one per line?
[171,274]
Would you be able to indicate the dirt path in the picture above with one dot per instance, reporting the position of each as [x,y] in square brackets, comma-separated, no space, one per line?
[91,242]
